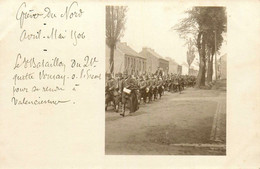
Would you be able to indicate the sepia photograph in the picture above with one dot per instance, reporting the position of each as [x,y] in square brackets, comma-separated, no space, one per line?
[129,84]
[165,90]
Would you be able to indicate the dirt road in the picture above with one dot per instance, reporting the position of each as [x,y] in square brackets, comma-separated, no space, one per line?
[190,123]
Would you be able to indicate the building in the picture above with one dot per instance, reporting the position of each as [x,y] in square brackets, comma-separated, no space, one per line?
[193,71]
[173,66]
[179,70]
[126,60]
[185,69]
[222,67]
[163,65]
[154,61]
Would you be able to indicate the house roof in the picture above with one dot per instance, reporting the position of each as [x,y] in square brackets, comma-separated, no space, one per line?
[127,49]
[171,60]
[153,53]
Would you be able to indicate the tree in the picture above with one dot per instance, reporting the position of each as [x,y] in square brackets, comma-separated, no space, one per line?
[115,26]
[211,52]
[190,53]
[215,39]
[201,25]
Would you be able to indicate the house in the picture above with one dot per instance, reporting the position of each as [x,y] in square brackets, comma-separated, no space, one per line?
[154,61]
[179,70]
[126,60]
[185,69]
[193,71]
[163,65]
[173,66]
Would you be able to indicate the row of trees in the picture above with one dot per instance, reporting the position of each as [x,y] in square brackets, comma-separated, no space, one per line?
[204,29]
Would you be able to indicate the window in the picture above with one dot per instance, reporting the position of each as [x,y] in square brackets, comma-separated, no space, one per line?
[128,62]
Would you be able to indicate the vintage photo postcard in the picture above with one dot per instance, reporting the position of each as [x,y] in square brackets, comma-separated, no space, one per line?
[141,84]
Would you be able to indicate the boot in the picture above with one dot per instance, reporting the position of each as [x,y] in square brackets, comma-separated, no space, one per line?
[123,110]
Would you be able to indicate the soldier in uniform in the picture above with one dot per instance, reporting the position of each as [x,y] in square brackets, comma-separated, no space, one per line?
[124,95]
[182,83]
[176,83]
[142,87]
[178,78]
[155,87]
[190,81]
[129,97]
[138,93]
[147,90]
[150,87]
[134,105]
[172,87]
[111,92]
[168,83]
[160,86]
[118,94]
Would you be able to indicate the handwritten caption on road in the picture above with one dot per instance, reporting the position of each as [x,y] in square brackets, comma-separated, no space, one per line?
[36,77]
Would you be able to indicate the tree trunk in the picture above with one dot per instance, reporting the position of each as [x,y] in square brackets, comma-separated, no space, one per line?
[210,69]
[202,53]
[216,66]
[216,63]
[111,60]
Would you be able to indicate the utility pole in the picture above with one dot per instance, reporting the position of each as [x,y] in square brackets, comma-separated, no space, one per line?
[216,64]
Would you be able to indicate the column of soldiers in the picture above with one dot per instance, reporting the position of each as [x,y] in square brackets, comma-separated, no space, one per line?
[129,91]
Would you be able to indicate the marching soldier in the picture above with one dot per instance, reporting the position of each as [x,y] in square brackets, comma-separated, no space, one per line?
[169,83]
[149,88]
[129,96]
[160,86]
[111,92]
[118,96]
[178,78]
[124,95]
[175,81]
[138,93]
[142,87]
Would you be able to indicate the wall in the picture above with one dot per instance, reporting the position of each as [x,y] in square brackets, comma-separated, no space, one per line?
[151,61]
[164,64]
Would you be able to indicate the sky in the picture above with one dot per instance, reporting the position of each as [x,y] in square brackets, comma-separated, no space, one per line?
[149,25]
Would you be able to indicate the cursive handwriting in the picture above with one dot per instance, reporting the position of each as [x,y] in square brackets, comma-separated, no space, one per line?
[24,62]
[71,11]
[39,101]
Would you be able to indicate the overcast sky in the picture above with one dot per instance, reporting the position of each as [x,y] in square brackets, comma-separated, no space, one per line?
[149,25]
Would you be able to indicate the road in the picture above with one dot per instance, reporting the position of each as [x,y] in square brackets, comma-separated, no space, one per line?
[191,123]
